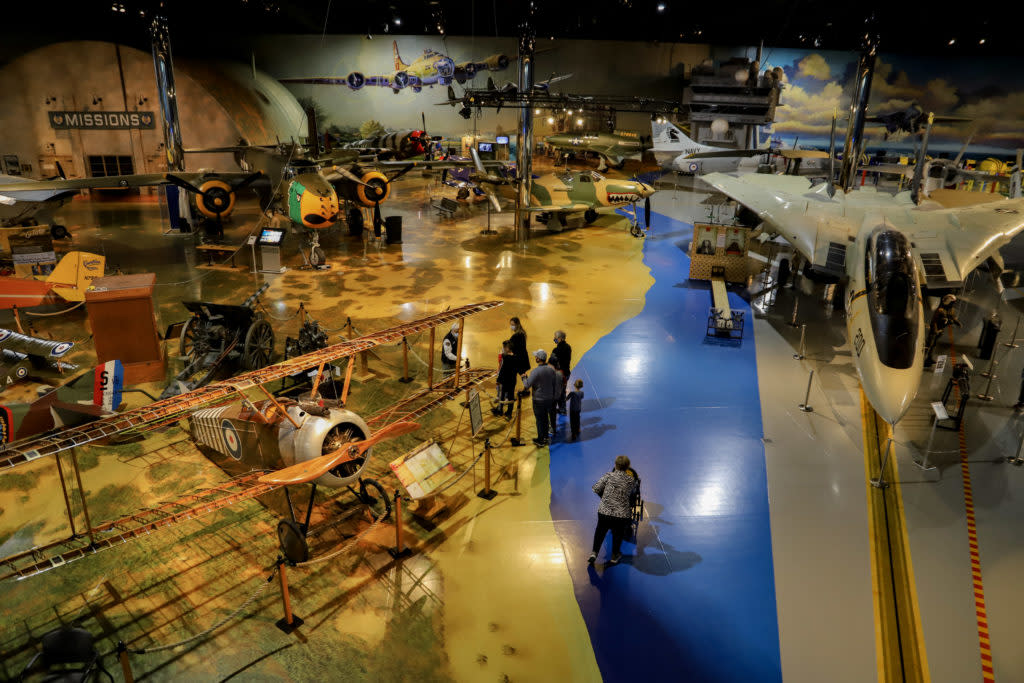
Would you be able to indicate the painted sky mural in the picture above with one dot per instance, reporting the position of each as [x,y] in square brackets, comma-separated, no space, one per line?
[819,81]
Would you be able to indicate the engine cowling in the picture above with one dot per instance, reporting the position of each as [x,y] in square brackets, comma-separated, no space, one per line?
[375,191]
[320,435]
[217,198]
[355,80]
[496,62]
[400,79]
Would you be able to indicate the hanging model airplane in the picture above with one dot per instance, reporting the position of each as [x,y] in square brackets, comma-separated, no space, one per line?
[886,248]
[429,69]
[265,443]
[910,120]
[612,148]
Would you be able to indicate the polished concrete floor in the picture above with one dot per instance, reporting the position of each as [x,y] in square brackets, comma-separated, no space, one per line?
[752,563]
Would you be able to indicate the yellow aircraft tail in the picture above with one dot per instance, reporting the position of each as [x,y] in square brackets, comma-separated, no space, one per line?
[399,64]
[75,273]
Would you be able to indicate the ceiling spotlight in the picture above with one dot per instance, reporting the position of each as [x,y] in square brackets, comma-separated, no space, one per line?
[579,122]
[661,7]
[551,120]
[465,112]
[97,100]
[981,42]
[952,41]
[536,112]
[398,21]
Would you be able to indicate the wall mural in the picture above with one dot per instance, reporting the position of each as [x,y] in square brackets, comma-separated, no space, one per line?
[819,81]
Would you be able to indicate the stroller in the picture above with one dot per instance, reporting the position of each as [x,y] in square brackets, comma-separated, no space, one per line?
[636,509]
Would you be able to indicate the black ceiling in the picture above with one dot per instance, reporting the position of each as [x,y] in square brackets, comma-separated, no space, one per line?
[200,26]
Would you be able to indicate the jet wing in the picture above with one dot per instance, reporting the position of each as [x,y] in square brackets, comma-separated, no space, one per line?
[576,206]
[172,409]
[950,243]
[117,181]
[726,153]
[787,205]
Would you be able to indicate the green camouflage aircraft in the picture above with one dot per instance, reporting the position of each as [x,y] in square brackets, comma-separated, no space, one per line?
[554,197]
[612,148]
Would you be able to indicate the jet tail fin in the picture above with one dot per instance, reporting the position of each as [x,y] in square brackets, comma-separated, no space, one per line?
[75,273]
[665,134]
[399,64]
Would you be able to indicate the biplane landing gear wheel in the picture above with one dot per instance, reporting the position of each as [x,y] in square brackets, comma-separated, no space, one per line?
[293,542]
[187,340]
[380,504]
[317,256]
[589,216]
[259,345]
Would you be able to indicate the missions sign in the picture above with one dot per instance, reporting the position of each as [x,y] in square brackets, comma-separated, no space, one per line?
[101,120]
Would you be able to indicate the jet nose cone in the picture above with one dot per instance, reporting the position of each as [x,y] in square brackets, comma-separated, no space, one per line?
[891,391]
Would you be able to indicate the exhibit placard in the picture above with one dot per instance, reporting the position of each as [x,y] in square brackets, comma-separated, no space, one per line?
[476,420]
[422,471]
[101,120]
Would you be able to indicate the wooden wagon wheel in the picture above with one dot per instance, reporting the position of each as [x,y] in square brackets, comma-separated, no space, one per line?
[259,345]
[187,343]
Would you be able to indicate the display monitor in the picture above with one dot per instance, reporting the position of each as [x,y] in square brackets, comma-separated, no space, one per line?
[486,147]
[501,139]
[271,236]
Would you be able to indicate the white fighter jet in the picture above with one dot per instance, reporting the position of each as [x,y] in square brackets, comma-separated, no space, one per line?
[888,248]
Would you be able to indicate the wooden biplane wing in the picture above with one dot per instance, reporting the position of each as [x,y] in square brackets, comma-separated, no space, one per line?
[170,410]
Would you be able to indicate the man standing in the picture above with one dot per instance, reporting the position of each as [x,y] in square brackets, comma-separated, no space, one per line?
[543,382]
[449,349]
[561,360]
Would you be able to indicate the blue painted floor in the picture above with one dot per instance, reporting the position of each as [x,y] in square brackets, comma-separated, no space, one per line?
[694,599]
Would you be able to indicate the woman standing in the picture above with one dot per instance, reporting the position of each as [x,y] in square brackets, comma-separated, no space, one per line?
[518,343]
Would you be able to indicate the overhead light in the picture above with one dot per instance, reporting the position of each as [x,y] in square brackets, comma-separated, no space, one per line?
[579,122]
[465,112]
[951,41]
[661,7]
[981,42]
[398,21]
[536,112]
[551,120]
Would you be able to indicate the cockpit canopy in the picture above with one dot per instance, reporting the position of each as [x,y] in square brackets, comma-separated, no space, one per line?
[893,296]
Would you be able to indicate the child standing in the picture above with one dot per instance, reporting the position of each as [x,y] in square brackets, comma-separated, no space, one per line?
[575,406]
[507,377]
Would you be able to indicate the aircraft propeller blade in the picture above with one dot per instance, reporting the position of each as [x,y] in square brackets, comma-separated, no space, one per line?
[348,175]
[305,472]
[476,161]
[248,181]
[915,184]
[832,157]
[377,220]
[63,176]
[647,212]
[184,184]
[963,148]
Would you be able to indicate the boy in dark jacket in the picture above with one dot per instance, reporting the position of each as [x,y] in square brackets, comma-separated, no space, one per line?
[507,377]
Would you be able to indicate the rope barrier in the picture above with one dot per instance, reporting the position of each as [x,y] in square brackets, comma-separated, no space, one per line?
[255,594]
[348,545]
[49,315]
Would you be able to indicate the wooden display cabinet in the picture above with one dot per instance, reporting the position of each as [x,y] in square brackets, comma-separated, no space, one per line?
[124,325]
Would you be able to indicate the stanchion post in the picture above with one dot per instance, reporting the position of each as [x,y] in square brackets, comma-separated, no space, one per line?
[400,550]
[291,621]
[517,440]
[991,374]
[879,482]
[805,406]
[1013,340]
[405,378]
[126,667]
[487,493]
[430,361]
[799,355]
[1018,460]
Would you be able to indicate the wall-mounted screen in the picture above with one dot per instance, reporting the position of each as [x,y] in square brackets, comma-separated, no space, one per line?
[486,147]
[501,140]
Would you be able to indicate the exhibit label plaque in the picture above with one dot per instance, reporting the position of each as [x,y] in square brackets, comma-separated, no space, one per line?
[101,120]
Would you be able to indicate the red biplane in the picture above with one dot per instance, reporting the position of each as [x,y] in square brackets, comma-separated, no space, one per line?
[268,442]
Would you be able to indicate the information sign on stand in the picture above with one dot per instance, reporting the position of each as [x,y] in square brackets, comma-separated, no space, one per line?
[269,243]
[422,471]
[476,420]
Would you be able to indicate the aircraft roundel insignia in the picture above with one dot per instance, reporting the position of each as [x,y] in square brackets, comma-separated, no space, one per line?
[4,334]
[694,166]
[60,348]
[21,373]
[231,440]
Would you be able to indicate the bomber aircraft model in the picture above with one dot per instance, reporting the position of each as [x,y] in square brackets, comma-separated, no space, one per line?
[886,248]
[612,148]
[263,441]
[429,69]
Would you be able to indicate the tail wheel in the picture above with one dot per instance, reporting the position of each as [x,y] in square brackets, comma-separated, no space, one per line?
[259,345]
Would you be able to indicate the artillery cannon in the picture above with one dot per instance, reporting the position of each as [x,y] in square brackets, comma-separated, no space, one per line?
[219,340]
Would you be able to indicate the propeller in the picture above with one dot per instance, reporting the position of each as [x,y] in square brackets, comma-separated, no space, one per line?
[486,181]
[915,184]
[647,212]
[304,472]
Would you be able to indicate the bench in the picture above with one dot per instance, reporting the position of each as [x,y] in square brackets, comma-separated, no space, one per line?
[216,254]
[445,207]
